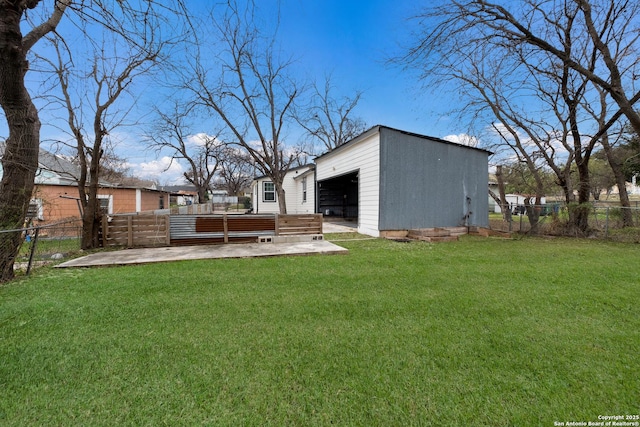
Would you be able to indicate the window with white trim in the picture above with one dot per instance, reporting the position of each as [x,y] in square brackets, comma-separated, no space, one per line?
[268,192]
[304,190]
[105,204]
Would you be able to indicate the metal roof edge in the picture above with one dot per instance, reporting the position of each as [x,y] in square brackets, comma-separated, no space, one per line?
[378,128]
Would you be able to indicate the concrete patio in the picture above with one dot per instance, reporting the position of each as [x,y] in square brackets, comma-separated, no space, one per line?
[181,253]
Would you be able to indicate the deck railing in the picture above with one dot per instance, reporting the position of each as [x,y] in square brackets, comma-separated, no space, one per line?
[136,230]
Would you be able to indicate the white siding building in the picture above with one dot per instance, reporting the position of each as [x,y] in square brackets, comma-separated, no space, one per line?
[391,181]
[348,182]
[299,190]
[388,181]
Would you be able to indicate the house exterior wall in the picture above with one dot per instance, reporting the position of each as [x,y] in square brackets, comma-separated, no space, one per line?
[60,201]
[150,200]
[127,200]
[299,205]
[259,204]
[123,199]
[362,156]
[292,185]
[428,183]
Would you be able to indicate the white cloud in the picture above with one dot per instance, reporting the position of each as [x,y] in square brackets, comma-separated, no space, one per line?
[200,138]
[462,139]
[163,170]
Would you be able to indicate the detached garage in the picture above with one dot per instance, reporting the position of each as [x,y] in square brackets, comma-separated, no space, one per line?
[391,181]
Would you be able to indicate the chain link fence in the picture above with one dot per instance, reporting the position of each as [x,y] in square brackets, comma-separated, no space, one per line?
[606,221]
[46,244]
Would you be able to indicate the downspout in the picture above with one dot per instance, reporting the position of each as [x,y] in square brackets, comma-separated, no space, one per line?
[257,196]
[315,191]
[138,200]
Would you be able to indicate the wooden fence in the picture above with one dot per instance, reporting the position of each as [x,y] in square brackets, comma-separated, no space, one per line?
[171,230]
[136,230]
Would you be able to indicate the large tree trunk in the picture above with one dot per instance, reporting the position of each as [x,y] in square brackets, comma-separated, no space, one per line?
[504,205]
[282,203]
[579,215]
[533,213]
[20,159]
[91,225]
[92,215]
[19,165]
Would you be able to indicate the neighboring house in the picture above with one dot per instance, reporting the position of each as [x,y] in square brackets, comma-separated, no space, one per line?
[392,181]
[222,197]
[56,198]
[181,195]
[299,190]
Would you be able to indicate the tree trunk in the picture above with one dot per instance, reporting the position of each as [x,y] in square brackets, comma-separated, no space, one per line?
[282,203]
[580,218]
[616,168]
[504,205]
[533,214]
[19,165]
[20,159]
[202,194]
[92,215]
[91,218]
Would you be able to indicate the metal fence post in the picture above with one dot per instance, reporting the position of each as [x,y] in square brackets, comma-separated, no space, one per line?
[606,224]
[33,250]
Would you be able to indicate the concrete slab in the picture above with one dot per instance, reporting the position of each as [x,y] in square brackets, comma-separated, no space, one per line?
[179,253]
[339,227]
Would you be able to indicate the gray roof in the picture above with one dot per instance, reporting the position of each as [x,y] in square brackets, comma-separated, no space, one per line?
[59,165]
[376,128]
[66,171]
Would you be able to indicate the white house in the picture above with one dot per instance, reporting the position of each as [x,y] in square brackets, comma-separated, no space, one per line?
[299,189]
[388,181]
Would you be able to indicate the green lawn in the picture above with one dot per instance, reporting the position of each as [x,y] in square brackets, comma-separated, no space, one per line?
[478,332]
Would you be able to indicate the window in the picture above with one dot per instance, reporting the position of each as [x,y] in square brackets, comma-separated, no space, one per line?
[161,202]
[304,190]
[268,192]
[104,204]
[35,210]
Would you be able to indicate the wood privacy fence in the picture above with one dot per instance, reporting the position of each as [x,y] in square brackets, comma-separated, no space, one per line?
[172,230]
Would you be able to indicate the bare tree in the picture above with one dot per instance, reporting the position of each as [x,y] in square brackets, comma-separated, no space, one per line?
[609,140]
[236,171]
[250,91]
[115,65]
[501,197]
[328,120]
[20,158]
[202,152]
[609,27]
[547,59]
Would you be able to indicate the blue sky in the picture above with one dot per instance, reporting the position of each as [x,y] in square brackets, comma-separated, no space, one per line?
[352,41]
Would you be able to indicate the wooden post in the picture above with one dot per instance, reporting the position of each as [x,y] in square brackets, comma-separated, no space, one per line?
[167,226]
[225,226]
[129,231]
[277,222]
[105,230]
